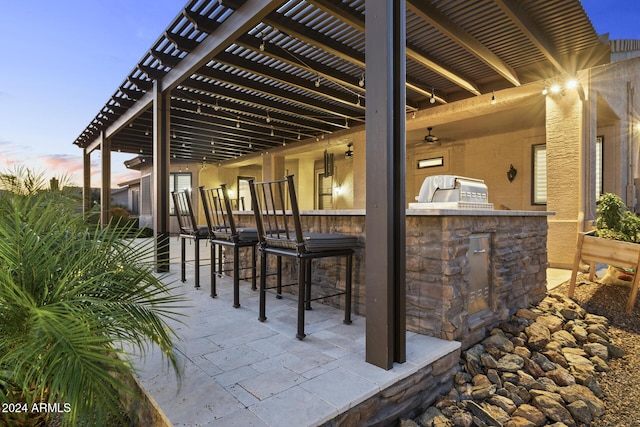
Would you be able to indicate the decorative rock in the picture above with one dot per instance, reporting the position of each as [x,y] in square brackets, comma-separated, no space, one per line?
[500,342]
[578,392]
[556,357]
[408,423]
[582,362]
[539,336]
[533,368]
[525,313]
[521,351]
[488,361]
[494,377]
[561,376]
[519,422]
[599,330]
[531,414]
[540,365]
[564,338]
[483,415]
[597,338]
[510,363]
[543,362]
[553,410]
[580,412]
[595,319]
[503,402]
[462,418]
[553,323]
[614,350]
[596,349]
[579,333]
[600,365]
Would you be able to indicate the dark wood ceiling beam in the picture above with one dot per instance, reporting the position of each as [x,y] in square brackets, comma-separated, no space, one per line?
[228,124]
[202,23]
[165,59]
[530,29]
[182,43]
[315,38]
[350,100]
[152,73]
[356,21]
[429,13]
[284,96]
[279,54]
[231,100]
[292,129]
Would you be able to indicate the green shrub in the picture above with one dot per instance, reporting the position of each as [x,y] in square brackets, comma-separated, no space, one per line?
[615,221]
[72,296]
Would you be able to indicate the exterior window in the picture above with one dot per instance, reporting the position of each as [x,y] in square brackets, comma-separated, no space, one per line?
[178,182]
[145,199]
[539,180]
[599,166]
[325,191]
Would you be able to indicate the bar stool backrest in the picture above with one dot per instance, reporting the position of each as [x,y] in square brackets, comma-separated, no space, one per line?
[276,226]
[218,211]
[184,212]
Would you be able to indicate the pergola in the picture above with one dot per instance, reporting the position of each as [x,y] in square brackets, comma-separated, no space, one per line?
[235,78]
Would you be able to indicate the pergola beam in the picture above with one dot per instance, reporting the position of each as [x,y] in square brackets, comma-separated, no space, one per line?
[429,13]
[524,23]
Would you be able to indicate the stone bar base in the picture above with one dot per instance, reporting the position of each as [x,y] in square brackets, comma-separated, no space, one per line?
[438,270]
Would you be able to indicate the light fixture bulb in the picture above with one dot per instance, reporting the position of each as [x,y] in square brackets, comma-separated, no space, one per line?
[262,46]
[432,100]
[199,109]
[545,90]
[272,131]
[358,102]
[555,88]
[268,119]
[361,82]
[298,133]
[216,107]
[493,98]
[572,84]
[318,82]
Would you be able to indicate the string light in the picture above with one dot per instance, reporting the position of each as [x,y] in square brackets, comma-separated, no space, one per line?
[298,133]
[361,82]
[199,109]
[216,107]
[493,97]
[268,119]
[318,82]
[432,100]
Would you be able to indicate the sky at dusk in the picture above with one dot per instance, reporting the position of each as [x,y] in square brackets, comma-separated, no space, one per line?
[62,61]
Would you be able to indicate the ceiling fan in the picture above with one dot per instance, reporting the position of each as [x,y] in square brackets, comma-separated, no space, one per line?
[429,138]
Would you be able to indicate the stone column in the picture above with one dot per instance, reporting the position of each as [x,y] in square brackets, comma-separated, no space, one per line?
[566,186]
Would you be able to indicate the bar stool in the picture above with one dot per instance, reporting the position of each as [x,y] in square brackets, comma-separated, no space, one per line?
[188,230]
[223,232]
[280,233]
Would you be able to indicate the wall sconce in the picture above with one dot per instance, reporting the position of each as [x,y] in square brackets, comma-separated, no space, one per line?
[511,173]
[349,153]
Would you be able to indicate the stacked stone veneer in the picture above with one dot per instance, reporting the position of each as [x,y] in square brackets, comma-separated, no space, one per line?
[438,271]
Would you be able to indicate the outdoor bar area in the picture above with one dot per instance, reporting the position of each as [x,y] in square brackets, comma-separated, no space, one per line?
[396,140]
[466,269]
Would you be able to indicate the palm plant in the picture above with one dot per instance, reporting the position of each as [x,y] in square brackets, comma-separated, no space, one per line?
[71,295]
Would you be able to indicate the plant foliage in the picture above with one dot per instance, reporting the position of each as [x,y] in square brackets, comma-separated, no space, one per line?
[72,296]
[615,221]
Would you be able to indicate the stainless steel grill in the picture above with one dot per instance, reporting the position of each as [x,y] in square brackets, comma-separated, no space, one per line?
[452,192]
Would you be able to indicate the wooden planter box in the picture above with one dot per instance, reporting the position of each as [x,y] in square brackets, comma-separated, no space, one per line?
[592,250]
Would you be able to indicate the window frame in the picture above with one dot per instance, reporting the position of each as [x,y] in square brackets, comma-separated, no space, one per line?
[538,174]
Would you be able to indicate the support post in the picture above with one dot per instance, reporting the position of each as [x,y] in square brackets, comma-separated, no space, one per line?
[105,191]
[386,156]
[161,155]
[86,182]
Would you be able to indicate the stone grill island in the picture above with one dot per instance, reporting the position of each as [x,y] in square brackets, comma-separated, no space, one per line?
[467,270]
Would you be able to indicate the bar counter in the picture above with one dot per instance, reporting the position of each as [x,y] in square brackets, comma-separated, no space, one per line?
[440,265]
